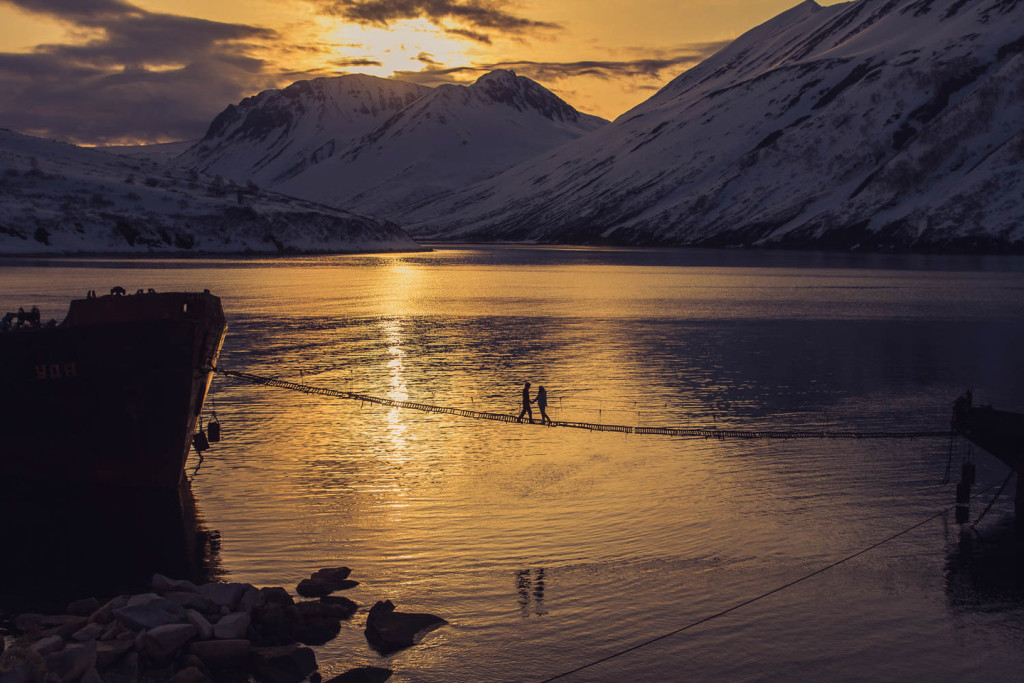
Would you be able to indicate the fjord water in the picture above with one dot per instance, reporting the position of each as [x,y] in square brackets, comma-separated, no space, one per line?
[548,548]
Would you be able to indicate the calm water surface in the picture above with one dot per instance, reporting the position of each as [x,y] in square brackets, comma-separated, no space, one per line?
[550,548]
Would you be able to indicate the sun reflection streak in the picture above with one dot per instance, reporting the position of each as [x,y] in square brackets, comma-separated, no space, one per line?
[397,389]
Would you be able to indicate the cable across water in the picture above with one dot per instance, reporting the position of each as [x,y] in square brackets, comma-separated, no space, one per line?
[685,432]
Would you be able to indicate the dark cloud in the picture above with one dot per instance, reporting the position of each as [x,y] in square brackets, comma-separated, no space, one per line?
[345,62]
[651,68]
[478,15]
[138,75]
[427,58]
[472,35]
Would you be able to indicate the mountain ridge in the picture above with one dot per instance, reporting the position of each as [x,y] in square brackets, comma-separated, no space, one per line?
[278,133]
[452,136]
[768,144]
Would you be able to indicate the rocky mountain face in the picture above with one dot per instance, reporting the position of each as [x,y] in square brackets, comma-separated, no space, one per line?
[58,198]
[451,137]
[876,124]
[278,133]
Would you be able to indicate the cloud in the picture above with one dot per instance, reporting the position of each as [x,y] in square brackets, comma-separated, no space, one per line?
[345,62]
[650,67]
[472,17]
[135,75]
[472,35]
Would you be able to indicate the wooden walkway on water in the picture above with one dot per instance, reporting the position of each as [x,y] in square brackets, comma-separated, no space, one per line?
[684,432]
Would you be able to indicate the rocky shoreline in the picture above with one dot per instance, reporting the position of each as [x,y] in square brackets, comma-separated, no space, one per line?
[181,632]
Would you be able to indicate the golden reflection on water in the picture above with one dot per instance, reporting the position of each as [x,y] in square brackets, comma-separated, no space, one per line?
[397,390]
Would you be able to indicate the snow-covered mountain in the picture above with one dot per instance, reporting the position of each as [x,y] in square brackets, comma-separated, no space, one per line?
[278,133]
[451,137]
[58,198]
[876,124]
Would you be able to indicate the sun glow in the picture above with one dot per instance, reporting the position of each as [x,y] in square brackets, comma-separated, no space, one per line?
[410,45]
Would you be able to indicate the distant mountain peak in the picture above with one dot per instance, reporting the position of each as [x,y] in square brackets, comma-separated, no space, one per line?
[278,133]
[503,86]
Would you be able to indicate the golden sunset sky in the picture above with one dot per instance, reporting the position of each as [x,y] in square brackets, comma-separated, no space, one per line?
[114,71]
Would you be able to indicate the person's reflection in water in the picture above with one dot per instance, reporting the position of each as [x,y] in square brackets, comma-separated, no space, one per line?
[523,588]
[530,590]
[538,593]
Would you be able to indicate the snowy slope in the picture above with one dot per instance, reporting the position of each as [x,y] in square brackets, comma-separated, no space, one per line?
[877,124]
[451,137]
[58,198]
[277,133]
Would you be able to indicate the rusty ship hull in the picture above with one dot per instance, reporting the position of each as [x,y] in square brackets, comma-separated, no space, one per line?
[112,395]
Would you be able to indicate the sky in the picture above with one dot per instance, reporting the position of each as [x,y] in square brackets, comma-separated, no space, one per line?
[145,71]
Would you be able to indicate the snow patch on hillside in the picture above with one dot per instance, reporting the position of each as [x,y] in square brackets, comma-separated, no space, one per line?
[58,198]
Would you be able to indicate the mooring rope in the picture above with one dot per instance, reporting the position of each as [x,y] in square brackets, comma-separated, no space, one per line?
[685,432]
[762,596]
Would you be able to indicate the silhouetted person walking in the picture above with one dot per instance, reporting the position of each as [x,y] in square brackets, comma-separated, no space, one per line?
[526,403]
[542,403]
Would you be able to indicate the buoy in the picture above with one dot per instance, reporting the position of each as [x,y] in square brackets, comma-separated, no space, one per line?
[200,441]
[213,430]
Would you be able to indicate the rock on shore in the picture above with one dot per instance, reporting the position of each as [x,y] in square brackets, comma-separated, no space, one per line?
[184,633]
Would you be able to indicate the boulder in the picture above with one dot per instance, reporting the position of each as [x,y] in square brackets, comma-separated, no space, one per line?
[110,631]
[84,607]
[162,584]
[325,584]
[251,599]
[204,630]
[109,652]
[276,624]
[149,615]
[125,670]
[160,644]
[282,664]
[233,626]
[340,606]
[344,585]
[189,674]
[194,601]
[277,595]
[88,632]
[314,588]
[363,674]
[318,624]
[72,662]
[192,660]
[92,676]
[105,613]
[224,594]
[388,631]
[218,654]
[329,574]
[45,646]
[142,599]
